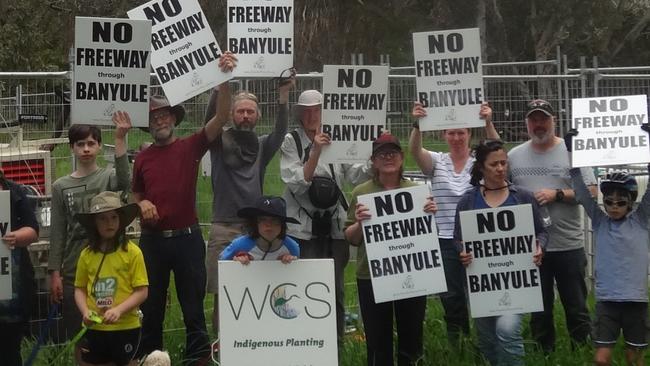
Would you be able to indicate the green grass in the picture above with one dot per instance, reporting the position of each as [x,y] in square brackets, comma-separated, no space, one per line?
[437,351]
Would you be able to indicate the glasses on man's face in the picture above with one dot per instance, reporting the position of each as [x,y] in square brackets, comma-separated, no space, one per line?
[610,203]
[164,114]
[390,154]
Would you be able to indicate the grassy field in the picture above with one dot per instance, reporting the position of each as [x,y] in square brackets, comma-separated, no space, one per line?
[437,351]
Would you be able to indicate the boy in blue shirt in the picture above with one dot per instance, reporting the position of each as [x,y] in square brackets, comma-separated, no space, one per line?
[621,262]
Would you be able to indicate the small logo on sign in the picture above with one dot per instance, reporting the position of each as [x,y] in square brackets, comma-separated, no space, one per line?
[408,283]
[260,64]
[505,300]
[451,115]
[196,80]
[352,151]
[109,110]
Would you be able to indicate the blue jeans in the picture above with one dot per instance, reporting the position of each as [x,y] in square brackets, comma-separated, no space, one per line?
[185,255]
[567,270]
[454,301]
[500,340]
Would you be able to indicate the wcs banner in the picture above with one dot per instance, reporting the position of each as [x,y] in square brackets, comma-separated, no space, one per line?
[277,314]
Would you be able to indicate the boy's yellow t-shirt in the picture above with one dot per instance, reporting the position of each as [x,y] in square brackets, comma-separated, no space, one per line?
[121,272]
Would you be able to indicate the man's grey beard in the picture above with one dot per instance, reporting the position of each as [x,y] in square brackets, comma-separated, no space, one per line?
[541,140]
[241,127]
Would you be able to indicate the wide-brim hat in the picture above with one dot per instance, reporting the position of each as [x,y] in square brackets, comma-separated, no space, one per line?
[104,202]
[267,206]
[539,105]
[157,102]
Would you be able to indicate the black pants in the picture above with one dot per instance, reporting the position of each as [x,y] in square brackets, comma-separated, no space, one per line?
[378,325]
[454,300]
[339,250]
[185,255]
[567,270]
[11,334]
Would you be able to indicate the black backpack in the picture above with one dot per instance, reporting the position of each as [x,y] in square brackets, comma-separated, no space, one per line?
[323,191]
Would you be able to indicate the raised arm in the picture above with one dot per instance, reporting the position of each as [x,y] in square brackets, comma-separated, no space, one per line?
[214,127]
[422,156]
[486,114]
[274,140]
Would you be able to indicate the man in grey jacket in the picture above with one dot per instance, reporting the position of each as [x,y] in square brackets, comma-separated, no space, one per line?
[239,158]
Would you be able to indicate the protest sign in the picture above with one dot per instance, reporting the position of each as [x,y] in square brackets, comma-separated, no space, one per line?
[449,78]
[260,32]
[502,278]
[277,314]
[609,131]
[111,70]
[6,288]
[355,99]
[185,53]
[401,244]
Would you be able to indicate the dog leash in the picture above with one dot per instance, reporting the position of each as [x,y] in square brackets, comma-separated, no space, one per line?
[44,332]
[96,319]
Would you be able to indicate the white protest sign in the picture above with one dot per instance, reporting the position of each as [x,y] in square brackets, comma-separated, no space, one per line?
[185,53]
[260,32]
[502,278]
[449,78]
[355,99]
[277,314]
[609,131]
[401,244]
[111,70]
[6,289]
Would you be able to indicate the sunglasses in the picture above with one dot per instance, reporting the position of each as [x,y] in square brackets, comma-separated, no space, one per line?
[610,203]
[387,154]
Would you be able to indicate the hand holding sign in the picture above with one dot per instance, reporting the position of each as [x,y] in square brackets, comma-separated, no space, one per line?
[361,213]
[418,110]
[430,205]
[539,254]
[227,62]
[485,112]
[10,240]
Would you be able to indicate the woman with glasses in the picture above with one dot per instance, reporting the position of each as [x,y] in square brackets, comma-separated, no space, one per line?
[387,165]
[450,175]
[499,337]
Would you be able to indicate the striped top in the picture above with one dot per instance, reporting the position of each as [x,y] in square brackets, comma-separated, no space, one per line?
[447,187]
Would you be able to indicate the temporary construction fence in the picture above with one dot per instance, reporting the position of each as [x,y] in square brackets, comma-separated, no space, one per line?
[35,106]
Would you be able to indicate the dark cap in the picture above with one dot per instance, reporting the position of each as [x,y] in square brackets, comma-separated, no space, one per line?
[539,105]
[267,206]
[386,139]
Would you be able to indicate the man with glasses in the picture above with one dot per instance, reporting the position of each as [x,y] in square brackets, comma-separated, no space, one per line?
[164,186]
[313,193]
[541,165]
[239,158]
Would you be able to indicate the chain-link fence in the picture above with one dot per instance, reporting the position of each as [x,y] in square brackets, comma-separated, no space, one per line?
[508,87]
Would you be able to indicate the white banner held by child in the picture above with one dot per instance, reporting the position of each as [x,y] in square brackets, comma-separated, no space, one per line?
[261,34]
[291,308]
[111,70]
[185,53]
[502,278]
[609,131]
[401,244]
[6,287]
[355,99]
[449,78]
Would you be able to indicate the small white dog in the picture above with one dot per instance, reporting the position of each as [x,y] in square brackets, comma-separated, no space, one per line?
[157,358]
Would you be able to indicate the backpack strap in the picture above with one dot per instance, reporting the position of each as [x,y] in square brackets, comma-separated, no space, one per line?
[342,200]
[301,153]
